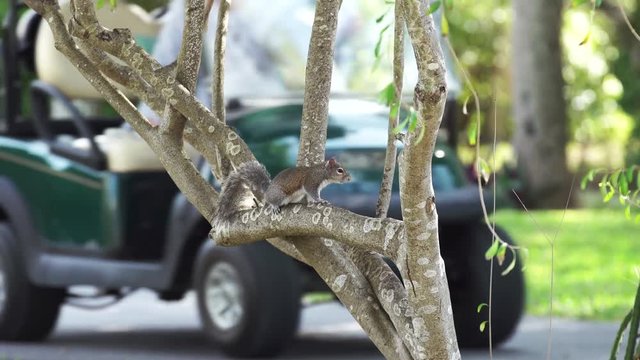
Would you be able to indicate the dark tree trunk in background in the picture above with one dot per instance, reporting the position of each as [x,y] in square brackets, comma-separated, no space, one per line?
[540,135]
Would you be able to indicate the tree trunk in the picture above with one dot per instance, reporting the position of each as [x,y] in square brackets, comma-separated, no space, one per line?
[540,136]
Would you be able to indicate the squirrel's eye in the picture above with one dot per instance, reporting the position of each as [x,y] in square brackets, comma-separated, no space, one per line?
[340,171]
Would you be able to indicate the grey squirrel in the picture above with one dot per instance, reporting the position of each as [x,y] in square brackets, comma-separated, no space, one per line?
[251,179]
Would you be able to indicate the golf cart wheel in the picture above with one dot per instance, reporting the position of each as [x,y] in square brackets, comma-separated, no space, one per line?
[27,312]
[468,274]
[248,298]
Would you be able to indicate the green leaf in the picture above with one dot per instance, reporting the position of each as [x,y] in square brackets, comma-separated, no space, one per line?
[583,183]
[578,2]
[598,3]
[586,38]
[376,50]
[398,129]
[444,26]
[603,184]
[480,306]
[502,252]
[637,220]
[627,211]
[381,17]
[492,250]
[609,195]
[394,109]
[413,121]
[484,169]
[629,174]
[615,177]
[448,4]
[509,268]
[113,4]
[587,179]
[483,325]
[387,96]
[472,131]
[623,186]
[433,7]
[99,4]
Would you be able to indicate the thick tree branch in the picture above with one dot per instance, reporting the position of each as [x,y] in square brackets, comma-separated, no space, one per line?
[391,295]
[333,266]
[379,235]
[433,321]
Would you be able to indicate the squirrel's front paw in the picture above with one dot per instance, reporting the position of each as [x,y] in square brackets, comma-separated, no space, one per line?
[274,209]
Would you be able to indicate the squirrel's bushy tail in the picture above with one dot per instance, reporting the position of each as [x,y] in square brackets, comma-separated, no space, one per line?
[249,180]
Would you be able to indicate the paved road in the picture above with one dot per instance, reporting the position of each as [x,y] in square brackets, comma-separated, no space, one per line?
[143,328]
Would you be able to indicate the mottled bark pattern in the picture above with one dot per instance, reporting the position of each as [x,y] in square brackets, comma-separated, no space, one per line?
[318,83]
[433,321]
[540,135]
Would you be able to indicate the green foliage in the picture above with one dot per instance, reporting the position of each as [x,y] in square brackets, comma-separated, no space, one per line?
[483,325]
[595,92]
[112,4]
[481,306]
[594,252]
[624,182]
[433,7]
[3,8]
[601,95]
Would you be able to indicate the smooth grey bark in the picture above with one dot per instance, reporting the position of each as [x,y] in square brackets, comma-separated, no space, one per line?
[540,136]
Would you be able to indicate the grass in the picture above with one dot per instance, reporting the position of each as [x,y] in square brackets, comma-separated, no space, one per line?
[596,253]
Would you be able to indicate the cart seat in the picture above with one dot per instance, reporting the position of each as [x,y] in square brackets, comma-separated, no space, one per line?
[52,67]
[124,150]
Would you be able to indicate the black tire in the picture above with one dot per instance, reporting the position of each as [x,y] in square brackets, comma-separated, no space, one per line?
[28,312]
[268,289]
[468,272]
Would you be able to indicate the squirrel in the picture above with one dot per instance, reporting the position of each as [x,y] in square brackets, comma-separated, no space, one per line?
[289,186]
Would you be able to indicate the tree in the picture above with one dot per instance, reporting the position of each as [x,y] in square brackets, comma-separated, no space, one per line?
[540,136]
[413,321]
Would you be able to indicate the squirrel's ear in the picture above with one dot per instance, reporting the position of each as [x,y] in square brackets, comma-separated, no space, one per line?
[331,162]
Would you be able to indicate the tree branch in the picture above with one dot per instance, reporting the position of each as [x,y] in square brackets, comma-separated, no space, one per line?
[315,109]
[333,265]
[379,235]
[182,171]
[391,295]
[218,59]
[119,43]
[223,166]
[188,62]
[384,197]
[433,321]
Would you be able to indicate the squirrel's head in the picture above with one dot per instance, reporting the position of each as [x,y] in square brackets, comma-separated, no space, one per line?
[337,173]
